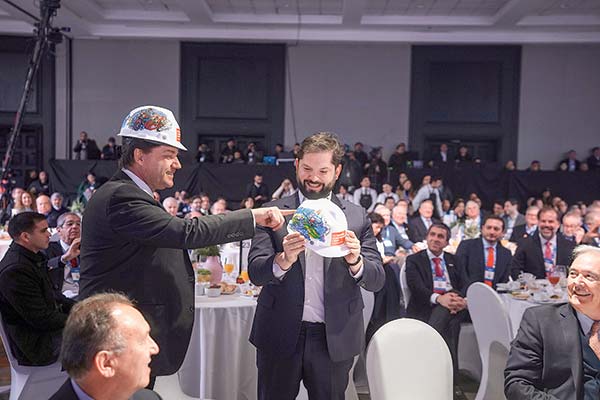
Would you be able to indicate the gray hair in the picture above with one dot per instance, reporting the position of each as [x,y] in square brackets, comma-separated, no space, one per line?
[56,195]
[91,328]
[167,200]
[584,249]
[61,218]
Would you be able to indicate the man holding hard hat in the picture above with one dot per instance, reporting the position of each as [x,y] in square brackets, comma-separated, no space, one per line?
[130,244]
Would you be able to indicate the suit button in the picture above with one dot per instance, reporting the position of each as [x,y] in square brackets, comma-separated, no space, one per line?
[191,309]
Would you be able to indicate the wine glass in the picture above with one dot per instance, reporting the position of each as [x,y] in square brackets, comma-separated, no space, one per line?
[228,268]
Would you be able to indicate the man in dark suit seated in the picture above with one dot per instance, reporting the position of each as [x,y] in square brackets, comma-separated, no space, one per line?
[63,256]
[106,351]
[556,354]
[57,209]
[524,231]
[485,259]
[308,323]
[418,226]
[540,253]
[436,287]
[32,315]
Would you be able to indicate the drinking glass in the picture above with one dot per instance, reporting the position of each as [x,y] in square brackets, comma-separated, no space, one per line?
[228,268]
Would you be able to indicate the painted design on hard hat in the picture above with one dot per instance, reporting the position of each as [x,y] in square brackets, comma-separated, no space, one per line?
[149,119]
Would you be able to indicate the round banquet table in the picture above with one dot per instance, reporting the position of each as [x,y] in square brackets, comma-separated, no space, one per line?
[516,309]
[220,362]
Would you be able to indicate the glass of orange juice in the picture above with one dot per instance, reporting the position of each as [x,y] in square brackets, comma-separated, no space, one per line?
[228,268]
[244,275]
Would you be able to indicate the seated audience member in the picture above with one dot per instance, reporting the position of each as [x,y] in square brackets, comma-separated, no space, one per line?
[556,354]
[442,157]
[463,155]
[86,148]
[593,161]
[485,259]
[393,241]
[430,191]
[238,158]
[386,191]
[512,216]
[470,228]
[204,154]
[535,166]
[15,203]
[365,196]
[406,191]
[389,203]
[571,163]
[436,285]
[106,351]
[258,190]
[110,150]
[87,188]
[184,203]
[498,208]
[170,204]
[420,224]
[219,207]
[248,202]
[510,166]
[399,159]
[63,256]
[388,306]
[523,231]
[43,205]
[572,227]
[286,189]
[57,209]
[253,155]
[592,226]
[343,194]
[444,191]
[540,253]
[399,221]
[377,169]
[32,314]
[456,215]
[40,185]
[227,152]
[583,166]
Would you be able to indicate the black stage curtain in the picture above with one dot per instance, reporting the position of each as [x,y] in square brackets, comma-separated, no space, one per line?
[490,182]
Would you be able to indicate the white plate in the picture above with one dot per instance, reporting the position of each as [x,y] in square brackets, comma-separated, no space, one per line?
[323,224]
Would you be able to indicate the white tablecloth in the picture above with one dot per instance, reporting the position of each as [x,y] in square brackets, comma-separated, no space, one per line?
[220,362]
[516,309]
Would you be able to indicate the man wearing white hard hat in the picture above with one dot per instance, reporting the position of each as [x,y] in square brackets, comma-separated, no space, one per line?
[130,244]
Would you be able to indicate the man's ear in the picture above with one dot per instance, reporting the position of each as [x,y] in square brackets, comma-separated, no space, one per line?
[338,171]
[138,156]
[105,363]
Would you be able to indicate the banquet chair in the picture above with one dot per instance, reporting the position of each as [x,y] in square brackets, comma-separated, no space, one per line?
[351,394]
[31,383]
[494,334]
[468,351]
[404,285]
[408,359]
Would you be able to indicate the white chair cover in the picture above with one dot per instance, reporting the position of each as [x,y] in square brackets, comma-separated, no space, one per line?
[31,383]
[408,359]
[494,334]
[404,285]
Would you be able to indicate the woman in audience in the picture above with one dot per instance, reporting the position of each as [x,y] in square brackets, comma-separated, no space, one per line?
[248,202]
[26,203]
[456,215]
[286,189]
[407,192]
[402,178]
[425,181]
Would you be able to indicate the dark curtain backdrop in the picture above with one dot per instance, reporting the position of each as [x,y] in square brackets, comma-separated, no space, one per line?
[490,182]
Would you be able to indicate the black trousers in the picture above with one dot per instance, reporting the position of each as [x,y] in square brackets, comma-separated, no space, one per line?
[448,326]
[279,378]
[387,305]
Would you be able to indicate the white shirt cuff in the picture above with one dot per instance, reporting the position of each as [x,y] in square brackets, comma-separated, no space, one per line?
[278,272]
[433,298]
[359,274]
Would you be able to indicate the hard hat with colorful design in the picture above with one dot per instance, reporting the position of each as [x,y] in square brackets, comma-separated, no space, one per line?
[152,123]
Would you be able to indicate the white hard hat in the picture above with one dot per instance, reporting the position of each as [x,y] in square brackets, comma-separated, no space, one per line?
[152,123]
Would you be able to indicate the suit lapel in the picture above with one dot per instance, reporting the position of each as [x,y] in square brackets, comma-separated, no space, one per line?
[570,330]
[538,250]
[327,260]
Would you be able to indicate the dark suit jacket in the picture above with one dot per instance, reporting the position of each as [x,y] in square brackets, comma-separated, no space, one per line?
[519,233]
[56,269]
[471,262]
[129,243]
[53,216]
[529,256]
[93,151]
[420,281]
[566,161]
[66,392]
[545,360]
[278,316]
[33,316]
[417,232]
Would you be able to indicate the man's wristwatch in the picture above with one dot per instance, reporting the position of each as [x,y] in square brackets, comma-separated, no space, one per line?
[358,260]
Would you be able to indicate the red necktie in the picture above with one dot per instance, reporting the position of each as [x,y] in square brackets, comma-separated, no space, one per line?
[489,264]
[73,262]
[548,251]
[439,272]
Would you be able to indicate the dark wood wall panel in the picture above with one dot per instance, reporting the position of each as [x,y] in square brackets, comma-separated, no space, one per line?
[465,95]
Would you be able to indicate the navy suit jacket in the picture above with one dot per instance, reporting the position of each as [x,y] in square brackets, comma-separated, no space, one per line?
[420,281]
[66,392]
[519,233]
[545,360]
[278,316]
[417,231]
[529,256]
[470,259]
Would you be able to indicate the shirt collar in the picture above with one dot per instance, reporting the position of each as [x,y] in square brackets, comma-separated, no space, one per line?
[487,244]
[301,197]
[64,245]
[138,181]
[432,256]
[585,322]
[552,241]
[81,395]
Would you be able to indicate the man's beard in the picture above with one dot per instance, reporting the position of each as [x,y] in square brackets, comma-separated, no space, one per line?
[312,195]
